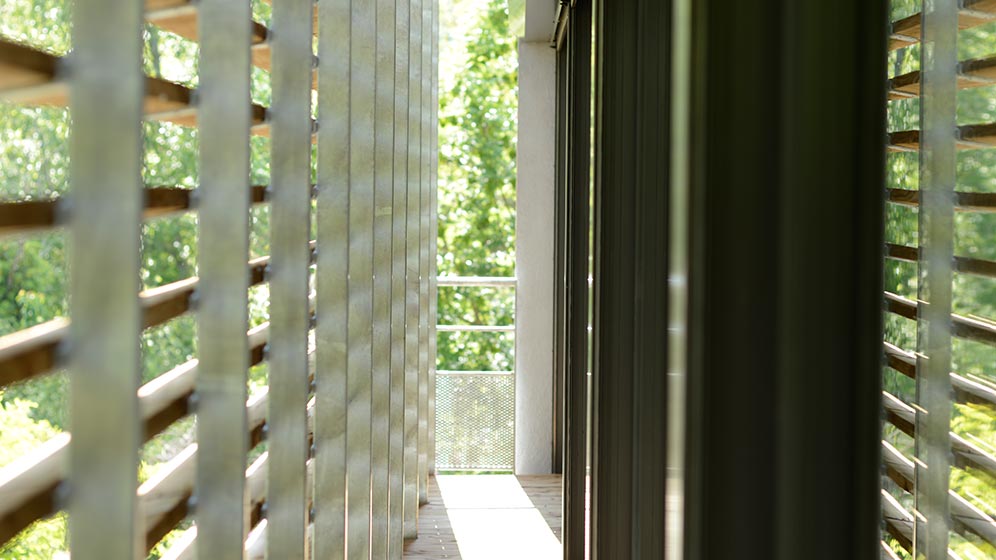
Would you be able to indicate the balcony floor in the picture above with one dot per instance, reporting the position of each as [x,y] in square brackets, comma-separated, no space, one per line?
[485,517]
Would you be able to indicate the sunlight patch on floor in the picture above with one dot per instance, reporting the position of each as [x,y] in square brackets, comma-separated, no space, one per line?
[492,517]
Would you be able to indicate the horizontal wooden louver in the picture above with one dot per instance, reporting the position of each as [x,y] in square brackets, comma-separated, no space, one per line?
[941,212]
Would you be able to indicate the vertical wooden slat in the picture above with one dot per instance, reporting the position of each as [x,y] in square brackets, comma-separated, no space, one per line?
[224,121]
[398,284]
[331,282]
[936,230]
[411,273]
[362,92]
[423,258]
[382,267]
[290,168]
[106,105]
[433,233]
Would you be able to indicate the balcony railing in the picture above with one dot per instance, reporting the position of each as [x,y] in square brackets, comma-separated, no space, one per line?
[475,410]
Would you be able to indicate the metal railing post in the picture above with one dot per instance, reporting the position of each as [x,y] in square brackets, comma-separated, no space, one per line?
[449,378]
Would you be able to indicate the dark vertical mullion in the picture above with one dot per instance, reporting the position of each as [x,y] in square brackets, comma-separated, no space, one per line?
[693,490]
[840,445]
[628,485]
[560,256]
[224,279]
[106,103]
[727,403]
[594,314]
[578,181]
[383,223]
[331,278]
[755,443]
[289,279]
[613,328]
[653,29]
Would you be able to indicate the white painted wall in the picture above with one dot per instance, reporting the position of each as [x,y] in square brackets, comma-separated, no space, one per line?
[534,254]
[539,22]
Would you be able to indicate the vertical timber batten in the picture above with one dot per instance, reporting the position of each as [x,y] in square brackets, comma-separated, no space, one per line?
[433,236]
[382,247]
[362,93]
[106,104]
[224,122]
[411,496]
[290,167]
[331,282]
[375,283]
[423,259]
[939,63]
[398,284]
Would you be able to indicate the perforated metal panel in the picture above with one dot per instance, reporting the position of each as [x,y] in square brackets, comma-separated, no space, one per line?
[475,421]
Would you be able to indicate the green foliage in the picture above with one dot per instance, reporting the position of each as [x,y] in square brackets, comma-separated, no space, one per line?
[34,158]
[46,539]
[477,192]
[41,23]
[19,434]
[32,281]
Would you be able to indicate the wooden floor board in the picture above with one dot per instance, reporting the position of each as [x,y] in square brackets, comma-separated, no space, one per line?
[484,517]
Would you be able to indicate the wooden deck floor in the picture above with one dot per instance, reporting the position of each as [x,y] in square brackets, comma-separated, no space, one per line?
[485,517]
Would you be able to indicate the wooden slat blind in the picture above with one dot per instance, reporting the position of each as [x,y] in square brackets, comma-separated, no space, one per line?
[399,262]
[348,345]
[938,449]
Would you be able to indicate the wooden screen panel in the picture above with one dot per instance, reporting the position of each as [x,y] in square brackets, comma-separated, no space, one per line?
[949,135]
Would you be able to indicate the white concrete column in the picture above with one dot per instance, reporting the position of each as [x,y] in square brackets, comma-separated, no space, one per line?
[534,258]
